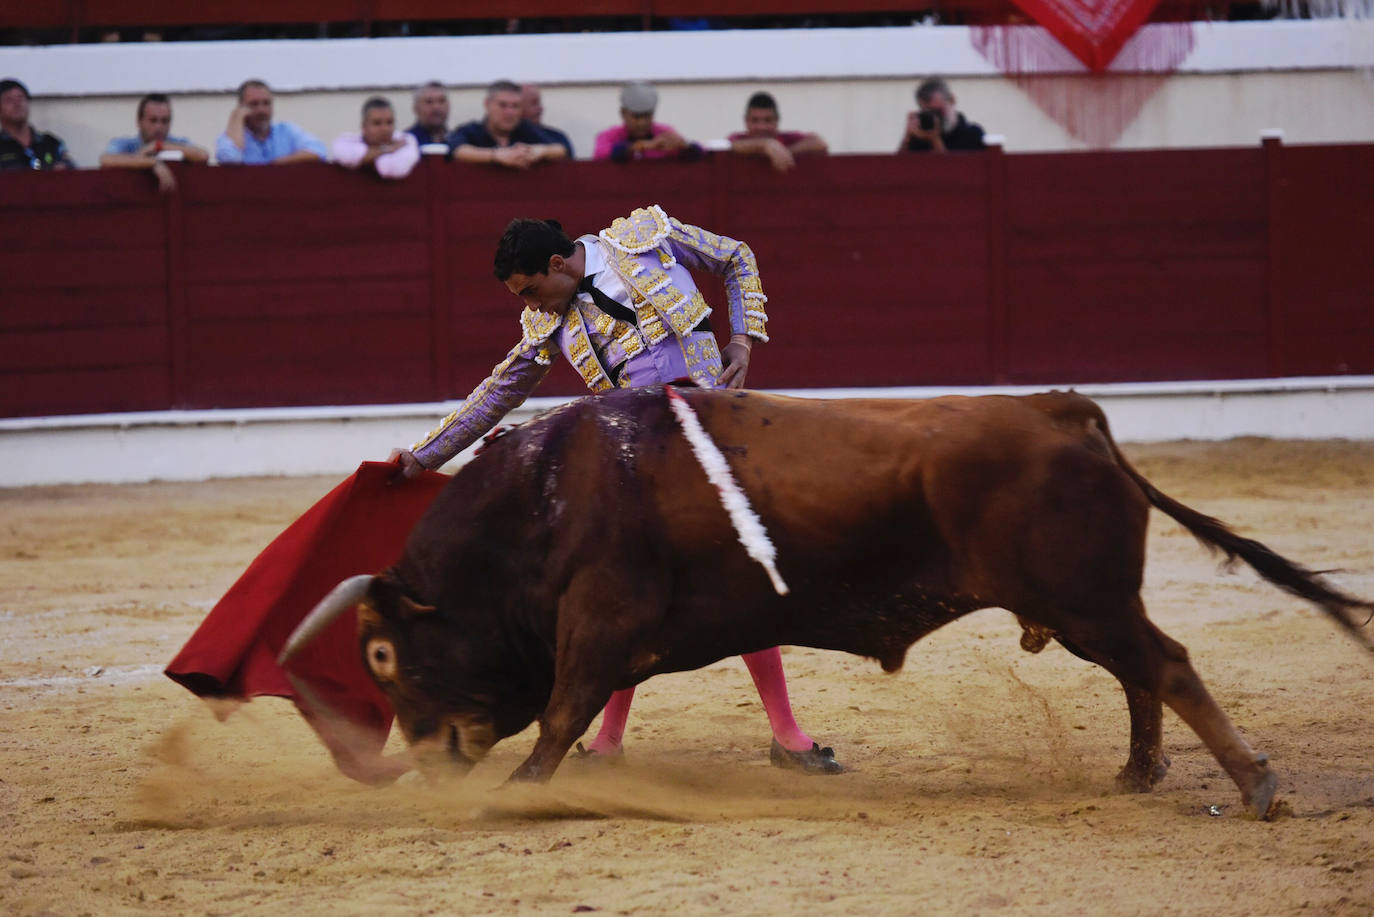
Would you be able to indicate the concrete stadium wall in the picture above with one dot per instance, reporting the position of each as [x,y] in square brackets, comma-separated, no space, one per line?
[853,86]
[199,445]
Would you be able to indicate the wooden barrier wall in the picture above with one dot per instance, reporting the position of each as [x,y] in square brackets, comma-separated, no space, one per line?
[300,285]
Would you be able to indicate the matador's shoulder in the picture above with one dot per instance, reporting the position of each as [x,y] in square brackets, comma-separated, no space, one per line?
[537,326]
[639,232]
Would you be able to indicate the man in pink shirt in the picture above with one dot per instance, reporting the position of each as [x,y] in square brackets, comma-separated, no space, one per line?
[639,136]
[378,146]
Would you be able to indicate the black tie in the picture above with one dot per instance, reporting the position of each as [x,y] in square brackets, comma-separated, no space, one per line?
[618,311]
[605,303]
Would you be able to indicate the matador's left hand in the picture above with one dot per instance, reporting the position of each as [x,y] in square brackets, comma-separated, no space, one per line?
[736,358]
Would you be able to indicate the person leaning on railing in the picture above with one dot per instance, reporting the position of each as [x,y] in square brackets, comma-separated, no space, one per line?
[430,105]
[153,144]
[378,147]
[761,136]
[252,138]
[639,136]
[502,136]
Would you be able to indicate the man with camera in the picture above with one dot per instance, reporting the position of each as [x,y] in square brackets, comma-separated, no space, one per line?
[936,126]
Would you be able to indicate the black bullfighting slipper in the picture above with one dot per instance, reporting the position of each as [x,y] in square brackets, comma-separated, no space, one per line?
[814,760]
[587,756]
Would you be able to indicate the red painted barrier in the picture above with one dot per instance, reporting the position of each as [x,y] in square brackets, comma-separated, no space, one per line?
[307,284]
[75,15]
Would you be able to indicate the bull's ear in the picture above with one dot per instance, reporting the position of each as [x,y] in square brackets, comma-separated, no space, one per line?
[410,608]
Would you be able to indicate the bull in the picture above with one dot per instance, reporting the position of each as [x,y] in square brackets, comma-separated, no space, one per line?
[586,551]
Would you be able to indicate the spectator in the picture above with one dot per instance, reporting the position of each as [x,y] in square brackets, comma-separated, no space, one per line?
[378,146]
[431,114]
[761,136]
[639,136]
[154,121]
[252,139]
[23,146]
[503,137]
[936,125]
[532,105]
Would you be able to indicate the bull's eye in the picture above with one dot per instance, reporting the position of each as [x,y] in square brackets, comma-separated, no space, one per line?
[381,658]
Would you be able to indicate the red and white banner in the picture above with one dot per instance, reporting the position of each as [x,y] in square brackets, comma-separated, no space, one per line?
[1094,107]
[1093,30]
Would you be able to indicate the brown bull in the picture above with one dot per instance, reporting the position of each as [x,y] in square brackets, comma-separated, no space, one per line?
[586,552]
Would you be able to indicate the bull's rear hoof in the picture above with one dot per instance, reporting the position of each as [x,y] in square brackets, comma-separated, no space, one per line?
[1133,779]
[814,760]
[1034,637]
[1260,799]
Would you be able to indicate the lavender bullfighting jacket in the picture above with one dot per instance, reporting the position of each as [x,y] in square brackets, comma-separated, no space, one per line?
[648,255]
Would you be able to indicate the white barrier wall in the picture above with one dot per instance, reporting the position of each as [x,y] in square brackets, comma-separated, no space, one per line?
[853,86]
[195,445]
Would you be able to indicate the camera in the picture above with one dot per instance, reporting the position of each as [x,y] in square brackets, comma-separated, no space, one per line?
[927,120]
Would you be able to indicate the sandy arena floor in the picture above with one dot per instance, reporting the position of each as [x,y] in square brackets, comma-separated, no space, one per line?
[981,777]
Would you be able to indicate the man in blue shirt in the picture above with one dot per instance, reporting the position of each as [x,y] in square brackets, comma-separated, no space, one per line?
[144,150]
[252,139]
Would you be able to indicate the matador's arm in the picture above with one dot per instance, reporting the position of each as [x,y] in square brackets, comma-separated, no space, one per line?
[504,390]
[699,249]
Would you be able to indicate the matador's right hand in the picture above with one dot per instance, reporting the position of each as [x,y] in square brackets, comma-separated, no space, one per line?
[409,465]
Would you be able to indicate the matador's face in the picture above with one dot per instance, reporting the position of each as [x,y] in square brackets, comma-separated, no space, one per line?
[551,291]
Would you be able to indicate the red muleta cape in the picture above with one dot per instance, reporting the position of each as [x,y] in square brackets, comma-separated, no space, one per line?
[358,527]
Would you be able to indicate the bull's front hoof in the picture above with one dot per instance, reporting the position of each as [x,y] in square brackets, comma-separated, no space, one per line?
[1260,799]
[814,760]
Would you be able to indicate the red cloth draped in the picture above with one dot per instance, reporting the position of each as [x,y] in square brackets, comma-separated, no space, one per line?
[1094,30]
[358,527]
[1095,108]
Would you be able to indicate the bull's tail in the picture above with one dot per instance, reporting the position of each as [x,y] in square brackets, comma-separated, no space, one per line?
[1350,612]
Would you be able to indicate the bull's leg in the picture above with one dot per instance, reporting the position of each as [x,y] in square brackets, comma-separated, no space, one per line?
[1147,763]
[595,615]
[1152,665]
[1183,691]
[571,710]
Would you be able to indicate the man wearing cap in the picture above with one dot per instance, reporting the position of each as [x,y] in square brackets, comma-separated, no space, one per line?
[503,137]
[639,136]
[623,308]
[23,146]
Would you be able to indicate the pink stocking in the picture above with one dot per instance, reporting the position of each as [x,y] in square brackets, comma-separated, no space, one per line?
[613,719]
[765,667]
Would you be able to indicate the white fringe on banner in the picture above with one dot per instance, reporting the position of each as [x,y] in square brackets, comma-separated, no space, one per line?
[1322,9]
[747,523]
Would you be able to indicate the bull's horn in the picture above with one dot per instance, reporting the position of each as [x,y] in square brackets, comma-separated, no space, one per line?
[340,599]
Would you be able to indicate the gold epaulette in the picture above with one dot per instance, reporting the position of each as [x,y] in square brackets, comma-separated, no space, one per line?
[537,326]
[640,232]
